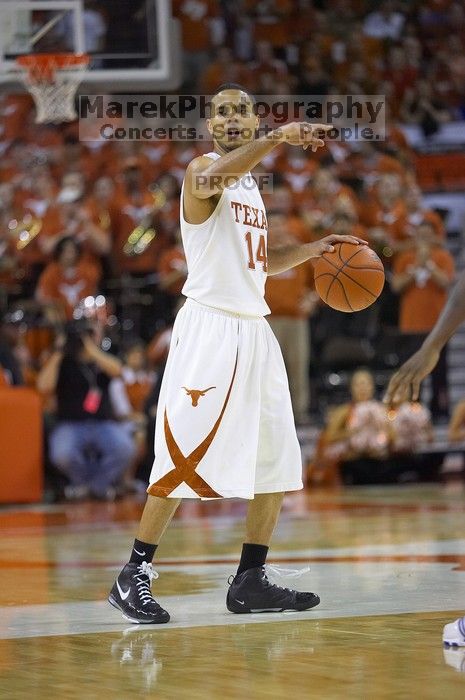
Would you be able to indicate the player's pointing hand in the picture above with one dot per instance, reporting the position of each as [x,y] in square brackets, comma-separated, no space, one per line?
[304,134]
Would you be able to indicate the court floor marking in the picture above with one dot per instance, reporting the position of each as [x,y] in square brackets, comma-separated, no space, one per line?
[345,590]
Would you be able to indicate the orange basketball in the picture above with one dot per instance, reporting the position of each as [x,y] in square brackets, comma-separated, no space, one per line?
[349,279]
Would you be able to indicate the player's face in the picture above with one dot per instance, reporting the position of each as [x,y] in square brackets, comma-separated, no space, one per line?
[233,121]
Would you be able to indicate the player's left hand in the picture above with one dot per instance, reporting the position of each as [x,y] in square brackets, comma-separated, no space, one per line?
[326,244]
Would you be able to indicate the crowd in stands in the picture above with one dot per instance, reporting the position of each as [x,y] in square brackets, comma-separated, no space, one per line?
[410,51]
[89,231]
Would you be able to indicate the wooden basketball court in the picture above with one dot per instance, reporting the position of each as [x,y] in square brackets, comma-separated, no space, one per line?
[388,563]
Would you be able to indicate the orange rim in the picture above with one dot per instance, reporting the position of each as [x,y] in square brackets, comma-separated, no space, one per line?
[42,66]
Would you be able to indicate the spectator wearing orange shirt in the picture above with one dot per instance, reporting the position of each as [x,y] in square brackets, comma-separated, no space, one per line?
[367,163]
[272,22]
[385,214]
[172,268]
[100,202]
[71,217]
[224,69]
[323,198]
[74,157]
[66,280]
[417,214]
[196,19]
[10,215]
[283,200]
[422,277]
[292,298]
[133,206]
[172,273]
[266,70]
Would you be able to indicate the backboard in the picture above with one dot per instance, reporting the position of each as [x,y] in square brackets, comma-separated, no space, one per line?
[133,44]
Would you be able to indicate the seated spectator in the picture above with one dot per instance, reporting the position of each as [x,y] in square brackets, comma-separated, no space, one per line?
[66,280]
[357,434]
[86,444]
[384,214]
[324,200]
[224,69]
[134,206]
[417,214]
[266,70]
[410,427]
[422,277]
[100,202]
[196,27]
[72,217]
[365,163]
[172,271]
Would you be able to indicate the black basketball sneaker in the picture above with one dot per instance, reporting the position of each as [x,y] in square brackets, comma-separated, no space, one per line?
[132,595]
[252,592]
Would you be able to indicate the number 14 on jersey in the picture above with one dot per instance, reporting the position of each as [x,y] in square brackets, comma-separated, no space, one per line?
[258,255]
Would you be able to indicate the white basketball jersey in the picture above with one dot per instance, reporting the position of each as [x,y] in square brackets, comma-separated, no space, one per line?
[227,254]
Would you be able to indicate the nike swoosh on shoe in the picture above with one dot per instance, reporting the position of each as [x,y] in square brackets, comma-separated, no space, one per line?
[123,594]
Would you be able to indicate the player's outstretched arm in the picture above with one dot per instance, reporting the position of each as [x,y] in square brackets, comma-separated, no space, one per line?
[206,178]
[405,383]
[284,257]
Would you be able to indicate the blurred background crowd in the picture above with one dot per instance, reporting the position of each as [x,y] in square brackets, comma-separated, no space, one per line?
[91,264]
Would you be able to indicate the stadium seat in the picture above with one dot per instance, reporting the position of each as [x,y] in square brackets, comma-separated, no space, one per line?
[20,445]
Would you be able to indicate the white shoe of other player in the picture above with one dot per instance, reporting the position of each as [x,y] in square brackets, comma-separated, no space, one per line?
[454,633]
[455,657]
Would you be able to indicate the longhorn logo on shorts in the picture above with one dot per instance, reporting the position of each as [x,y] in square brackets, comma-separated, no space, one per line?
[195,394]
[185,467]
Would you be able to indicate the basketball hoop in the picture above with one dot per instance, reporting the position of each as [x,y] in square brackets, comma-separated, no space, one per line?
[52,80]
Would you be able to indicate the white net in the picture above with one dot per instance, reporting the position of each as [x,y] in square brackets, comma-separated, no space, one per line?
[53,81]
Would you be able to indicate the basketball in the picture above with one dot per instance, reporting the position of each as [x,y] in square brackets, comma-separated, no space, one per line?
[350,278]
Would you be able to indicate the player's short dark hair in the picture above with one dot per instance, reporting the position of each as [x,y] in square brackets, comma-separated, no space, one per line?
[233,86]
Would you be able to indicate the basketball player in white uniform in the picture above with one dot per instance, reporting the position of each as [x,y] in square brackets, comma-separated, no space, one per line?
[224,423]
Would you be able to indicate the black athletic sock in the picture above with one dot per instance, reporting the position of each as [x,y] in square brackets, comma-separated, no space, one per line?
[253,555]
[142,551]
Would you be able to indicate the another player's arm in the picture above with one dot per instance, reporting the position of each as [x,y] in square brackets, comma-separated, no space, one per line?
[206,177]
[405,383]
[457,423]
[284,257]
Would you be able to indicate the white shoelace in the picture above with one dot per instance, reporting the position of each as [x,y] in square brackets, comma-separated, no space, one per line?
[143,585]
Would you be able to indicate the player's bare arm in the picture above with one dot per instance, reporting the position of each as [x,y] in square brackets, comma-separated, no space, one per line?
[457,424]
[405,383]
[206,178]
[284,257]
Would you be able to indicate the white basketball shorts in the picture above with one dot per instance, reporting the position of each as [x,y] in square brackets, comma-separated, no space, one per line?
[225,426]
